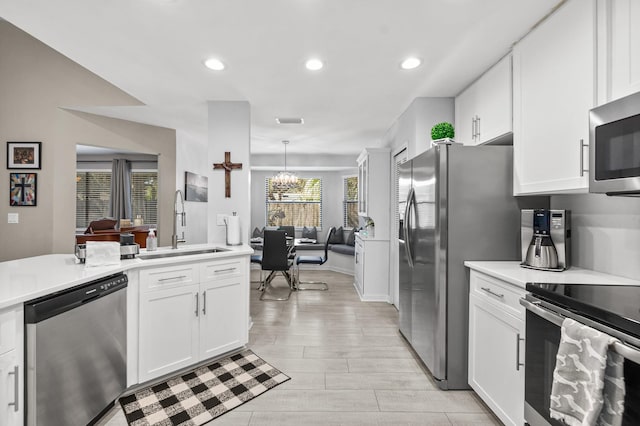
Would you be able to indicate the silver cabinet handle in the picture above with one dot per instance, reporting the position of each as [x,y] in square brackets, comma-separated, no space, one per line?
[478,128]
[204,302]
[488,290]
[473,128]
[16,389]
[179,277]
[518,363]
[224,270]
[197,303]
[582,169]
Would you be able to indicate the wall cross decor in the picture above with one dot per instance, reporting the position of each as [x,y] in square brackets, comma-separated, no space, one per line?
[227,166]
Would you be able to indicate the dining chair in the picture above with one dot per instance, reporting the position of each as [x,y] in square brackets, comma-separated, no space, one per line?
[291,235]
[314,260]
[257,258]
[275,258]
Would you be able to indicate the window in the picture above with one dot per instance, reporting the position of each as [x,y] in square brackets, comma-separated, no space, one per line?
[300,205]
[93,192]
[350,207]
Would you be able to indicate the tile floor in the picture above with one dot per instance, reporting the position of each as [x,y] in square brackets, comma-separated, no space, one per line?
[348,365]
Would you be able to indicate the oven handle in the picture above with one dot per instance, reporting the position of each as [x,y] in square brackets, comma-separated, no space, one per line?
[626,351]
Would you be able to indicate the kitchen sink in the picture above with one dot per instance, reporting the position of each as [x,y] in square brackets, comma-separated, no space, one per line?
[175,253]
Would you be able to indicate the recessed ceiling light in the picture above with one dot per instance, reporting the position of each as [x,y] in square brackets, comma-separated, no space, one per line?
[314,64]
[410,63]
[292,120]
[214,64]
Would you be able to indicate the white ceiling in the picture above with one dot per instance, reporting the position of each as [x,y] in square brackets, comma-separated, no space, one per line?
[154,50]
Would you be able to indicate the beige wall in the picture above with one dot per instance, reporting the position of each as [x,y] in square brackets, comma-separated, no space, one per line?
[36,84]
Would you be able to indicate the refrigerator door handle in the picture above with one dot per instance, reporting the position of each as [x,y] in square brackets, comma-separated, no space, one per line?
[407,215]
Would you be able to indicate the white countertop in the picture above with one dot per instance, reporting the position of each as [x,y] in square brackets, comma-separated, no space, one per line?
[512,272]
[33,277]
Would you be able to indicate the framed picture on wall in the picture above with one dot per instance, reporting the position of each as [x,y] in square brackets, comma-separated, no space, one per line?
[23,155]
[196,187]
[23,189]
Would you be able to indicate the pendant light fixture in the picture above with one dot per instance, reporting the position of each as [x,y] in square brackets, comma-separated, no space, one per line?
[284,179]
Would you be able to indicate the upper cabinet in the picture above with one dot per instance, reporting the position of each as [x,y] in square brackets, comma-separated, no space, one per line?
[618,49]
[374,165]
[553,91]
[483,110]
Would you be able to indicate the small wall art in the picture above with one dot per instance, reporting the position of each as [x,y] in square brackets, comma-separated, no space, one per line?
[196,187]
[23,155]
[23,189]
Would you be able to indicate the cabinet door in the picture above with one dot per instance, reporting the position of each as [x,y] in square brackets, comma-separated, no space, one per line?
[553,72]
[359,267]
[625,48]
[494,107]
[168,330]
[363,181]
[11,403]
[465,106]
[496,355]
[223,316]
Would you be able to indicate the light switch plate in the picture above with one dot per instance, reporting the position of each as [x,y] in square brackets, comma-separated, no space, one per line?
[220,219]
[13,218]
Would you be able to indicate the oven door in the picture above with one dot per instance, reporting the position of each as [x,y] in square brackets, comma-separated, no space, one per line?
[541,346]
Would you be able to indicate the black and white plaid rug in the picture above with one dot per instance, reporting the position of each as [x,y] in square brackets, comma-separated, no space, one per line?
[203,394]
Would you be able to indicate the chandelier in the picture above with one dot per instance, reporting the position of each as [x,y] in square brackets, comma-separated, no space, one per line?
[284,179]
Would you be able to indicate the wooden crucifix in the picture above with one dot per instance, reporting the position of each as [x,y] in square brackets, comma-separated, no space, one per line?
[227,166]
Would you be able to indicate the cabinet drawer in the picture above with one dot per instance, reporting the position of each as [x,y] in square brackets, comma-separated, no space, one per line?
[222,268]
[8,325]
[498,292]
[168,277]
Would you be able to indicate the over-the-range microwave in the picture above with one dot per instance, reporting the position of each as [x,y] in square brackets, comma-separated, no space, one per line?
[614,147]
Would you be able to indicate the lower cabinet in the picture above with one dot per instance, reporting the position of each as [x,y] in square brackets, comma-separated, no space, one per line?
[371,275]
[12,367]
[496,346]
[185,321]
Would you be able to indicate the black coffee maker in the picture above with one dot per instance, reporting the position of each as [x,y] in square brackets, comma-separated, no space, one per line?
[546,239]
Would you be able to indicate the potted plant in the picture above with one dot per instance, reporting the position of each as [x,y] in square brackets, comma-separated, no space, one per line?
[442,133]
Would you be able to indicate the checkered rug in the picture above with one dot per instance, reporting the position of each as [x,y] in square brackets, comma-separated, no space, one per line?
[203,394]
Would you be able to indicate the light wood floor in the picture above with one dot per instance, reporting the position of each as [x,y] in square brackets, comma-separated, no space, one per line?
[348,366]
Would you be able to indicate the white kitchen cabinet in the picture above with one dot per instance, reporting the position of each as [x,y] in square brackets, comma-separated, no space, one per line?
[223,325]
[11,367]
[483,111]
[496,346]
[374,174]
[169,330]
[619,49]
[554,88]
[371,278]
[191,312]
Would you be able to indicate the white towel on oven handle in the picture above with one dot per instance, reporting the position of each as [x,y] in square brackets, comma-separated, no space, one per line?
[588,379]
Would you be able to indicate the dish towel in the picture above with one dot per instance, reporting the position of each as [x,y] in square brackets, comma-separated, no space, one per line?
[588,380]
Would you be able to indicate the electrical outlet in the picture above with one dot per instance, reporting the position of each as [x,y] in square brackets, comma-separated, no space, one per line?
[13,218]
[220,219]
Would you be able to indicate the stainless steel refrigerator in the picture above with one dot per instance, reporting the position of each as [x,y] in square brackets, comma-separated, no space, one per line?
[457,205]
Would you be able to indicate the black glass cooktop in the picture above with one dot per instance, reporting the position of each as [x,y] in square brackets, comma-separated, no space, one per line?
[614,305]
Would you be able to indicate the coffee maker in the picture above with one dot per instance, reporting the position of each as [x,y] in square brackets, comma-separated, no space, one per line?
[546,239]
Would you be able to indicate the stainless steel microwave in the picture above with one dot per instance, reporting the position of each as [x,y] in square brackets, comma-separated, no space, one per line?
[614,147]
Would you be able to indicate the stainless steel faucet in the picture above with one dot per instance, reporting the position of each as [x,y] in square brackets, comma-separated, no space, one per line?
[183,220]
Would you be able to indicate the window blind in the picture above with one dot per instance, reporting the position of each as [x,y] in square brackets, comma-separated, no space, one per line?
[144,195]
[350,203]
[93,192]
[298,205]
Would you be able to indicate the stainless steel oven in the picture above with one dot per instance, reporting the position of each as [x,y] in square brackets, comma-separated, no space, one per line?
[614,147]
[610,309]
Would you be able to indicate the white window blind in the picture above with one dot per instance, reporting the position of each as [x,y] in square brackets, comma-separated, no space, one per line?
[350,203]
[144,195]
[93,192]
[401,201]
[299,205]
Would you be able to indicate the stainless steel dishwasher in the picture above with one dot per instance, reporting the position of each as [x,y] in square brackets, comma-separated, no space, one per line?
[76,353]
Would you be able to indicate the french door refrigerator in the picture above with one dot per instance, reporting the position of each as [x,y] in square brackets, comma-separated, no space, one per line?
[457,205]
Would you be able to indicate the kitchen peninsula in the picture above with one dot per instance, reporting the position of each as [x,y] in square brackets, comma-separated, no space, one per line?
[182,306]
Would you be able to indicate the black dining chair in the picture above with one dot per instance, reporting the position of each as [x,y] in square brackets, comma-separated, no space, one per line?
[314,260]
[291,235]
[275,258]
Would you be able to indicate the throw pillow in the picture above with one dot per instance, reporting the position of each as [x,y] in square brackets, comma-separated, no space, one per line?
[338,237]
[257,233]
[351,238]
[310,233]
